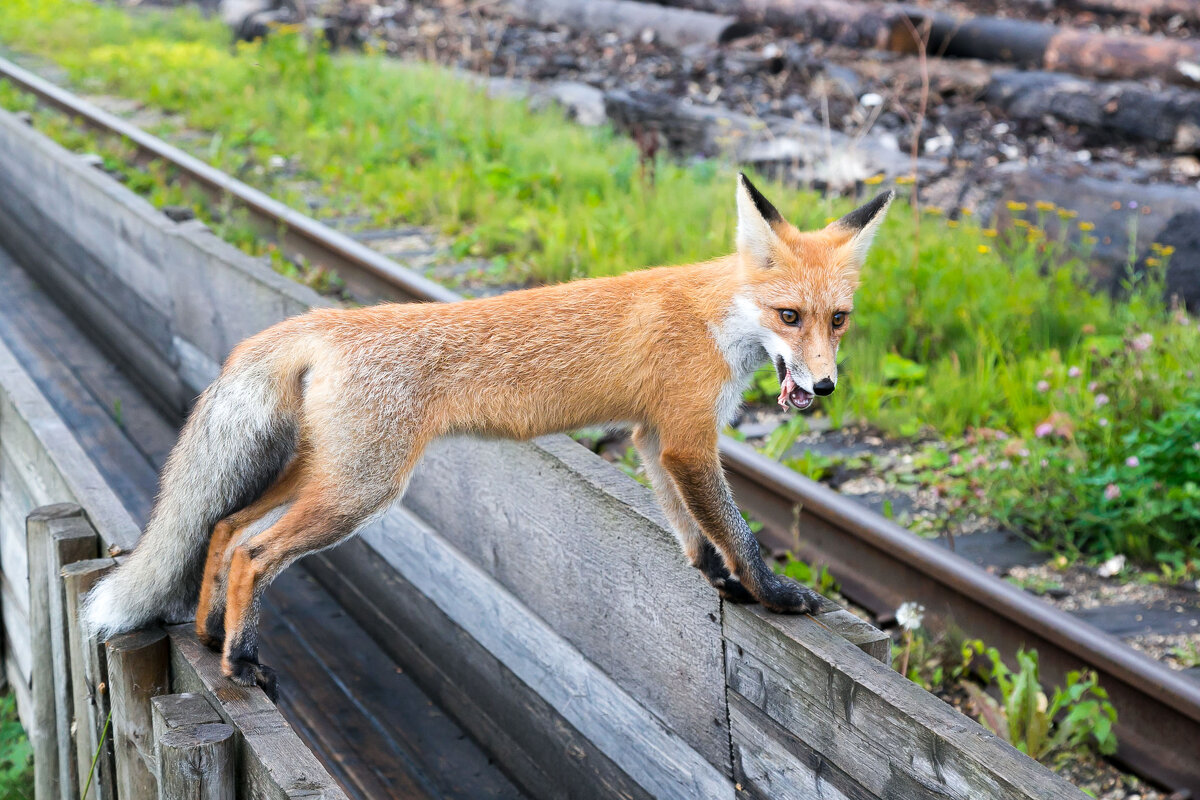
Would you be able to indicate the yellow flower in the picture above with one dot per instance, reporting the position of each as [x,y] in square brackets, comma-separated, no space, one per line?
[1153,262]
[874,180]
[1034,234]
[1043,205]
[905,180]
[934,210]
[966,212]
[1021,223]
[983,249]
[1066,213]
[951,223]
[1014,206]
[991,233]
[1168,250]
[830,220]
[1088,240]
[1087,226]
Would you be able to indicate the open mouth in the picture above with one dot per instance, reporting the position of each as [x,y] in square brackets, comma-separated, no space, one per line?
[789,393]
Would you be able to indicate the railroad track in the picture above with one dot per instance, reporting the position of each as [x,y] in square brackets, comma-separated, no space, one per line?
[878,563]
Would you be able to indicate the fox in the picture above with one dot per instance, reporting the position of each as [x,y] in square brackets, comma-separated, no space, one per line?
[314,425]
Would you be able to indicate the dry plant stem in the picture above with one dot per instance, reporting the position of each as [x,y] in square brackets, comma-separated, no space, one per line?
[921,38]
[908,643]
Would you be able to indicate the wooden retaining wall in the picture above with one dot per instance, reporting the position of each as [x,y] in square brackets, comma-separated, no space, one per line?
[530,588]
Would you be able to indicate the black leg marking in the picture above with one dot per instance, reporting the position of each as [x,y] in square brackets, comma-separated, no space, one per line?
[214,630]
[713,567]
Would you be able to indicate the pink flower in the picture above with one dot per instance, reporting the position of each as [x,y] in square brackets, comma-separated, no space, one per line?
[1112,492]
[1196,446]
[1043,430]
[1043,386]
[1101,400]
[955,459]
[1102,422]
[1045,462]
[1142,342]
[1132,461]
[1093,386]
[1074,372]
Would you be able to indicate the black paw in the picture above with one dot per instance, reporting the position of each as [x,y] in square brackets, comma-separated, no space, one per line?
[731,589]
[251,673]
[785,596]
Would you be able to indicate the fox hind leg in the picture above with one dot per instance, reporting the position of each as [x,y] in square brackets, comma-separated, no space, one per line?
[325,511]
[210,610]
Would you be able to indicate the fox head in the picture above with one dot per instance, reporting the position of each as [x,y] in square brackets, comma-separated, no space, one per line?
[798,288]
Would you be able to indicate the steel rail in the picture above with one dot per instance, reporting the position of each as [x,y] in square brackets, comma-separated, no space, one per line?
[878,563]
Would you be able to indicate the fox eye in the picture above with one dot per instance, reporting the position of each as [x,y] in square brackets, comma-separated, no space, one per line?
[789,316]
[839,319]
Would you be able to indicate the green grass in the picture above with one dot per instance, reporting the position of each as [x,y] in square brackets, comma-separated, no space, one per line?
[956,328]
[16,756]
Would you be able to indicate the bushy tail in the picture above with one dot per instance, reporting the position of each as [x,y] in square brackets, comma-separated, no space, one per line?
[237,439]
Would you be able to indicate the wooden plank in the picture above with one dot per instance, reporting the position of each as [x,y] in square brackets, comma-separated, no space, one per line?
[197,763]
[43,735]
[272,761]
[880,729]
[548,514]
[378,725]
[772,764]
[89,686]
[113,391]
[90,423]
[138,669]
[13,559]
[70,539]
[18,684]
[18,646]
[543,753]
[51,455]
[154,366]
[649,751]
[195,749]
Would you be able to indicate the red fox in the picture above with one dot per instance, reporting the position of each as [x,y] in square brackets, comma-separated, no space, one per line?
[319,420]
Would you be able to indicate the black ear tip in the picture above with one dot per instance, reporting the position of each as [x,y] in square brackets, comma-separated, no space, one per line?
[860,217]
[768,211]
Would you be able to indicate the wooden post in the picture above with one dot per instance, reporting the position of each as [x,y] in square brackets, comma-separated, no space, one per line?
[71,539]
[89,685]
[43,735]
[195,749]
[138,669]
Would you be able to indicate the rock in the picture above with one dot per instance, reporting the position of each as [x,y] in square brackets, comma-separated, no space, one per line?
[179,213]
[583,103]
[1182,232]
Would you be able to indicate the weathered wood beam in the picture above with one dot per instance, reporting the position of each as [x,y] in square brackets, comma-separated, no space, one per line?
[71,539]
[139,665]
[43,733]
[273,764]
[195,749]
[89,684]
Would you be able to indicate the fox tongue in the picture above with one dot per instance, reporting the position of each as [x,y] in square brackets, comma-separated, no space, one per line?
[785,390]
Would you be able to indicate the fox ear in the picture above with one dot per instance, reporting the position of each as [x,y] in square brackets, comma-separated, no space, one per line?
[861,224]
[756,220]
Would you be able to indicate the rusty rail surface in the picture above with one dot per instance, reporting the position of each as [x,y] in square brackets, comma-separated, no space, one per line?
[878,563]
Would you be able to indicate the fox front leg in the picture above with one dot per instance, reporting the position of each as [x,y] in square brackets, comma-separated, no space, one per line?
[699,550]
[701,483]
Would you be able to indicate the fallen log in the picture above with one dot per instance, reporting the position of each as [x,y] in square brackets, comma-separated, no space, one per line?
[1037,45]
[1153,9]
[677,27]
[1168,117]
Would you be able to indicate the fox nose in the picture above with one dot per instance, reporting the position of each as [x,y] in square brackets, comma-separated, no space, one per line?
[824,387]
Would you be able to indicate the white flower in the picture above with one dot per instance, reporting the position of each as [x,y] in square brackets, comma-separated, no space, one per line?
[910,615]
[1111,567]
